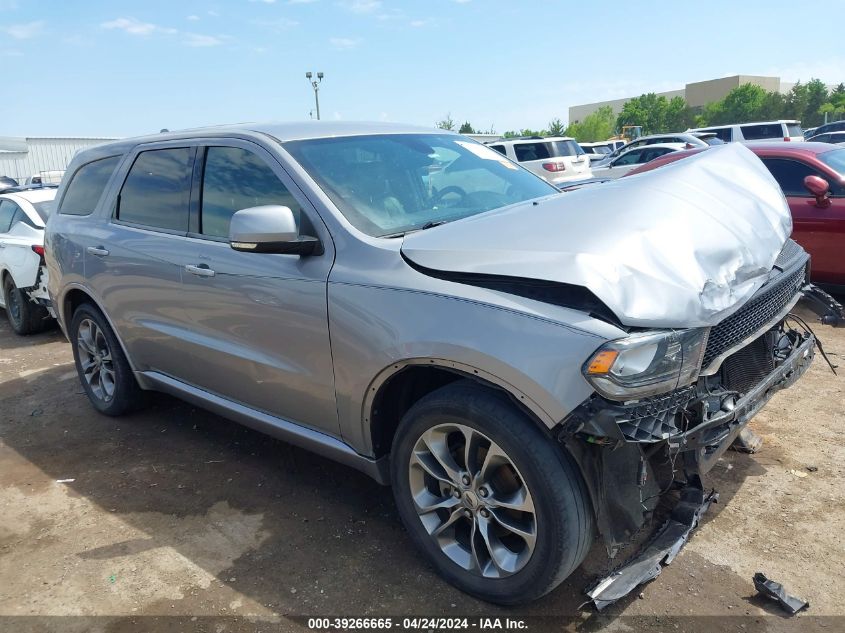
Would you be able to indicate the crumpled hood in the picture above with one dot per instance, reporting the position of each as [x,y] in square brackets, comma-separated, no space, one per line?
[684,245]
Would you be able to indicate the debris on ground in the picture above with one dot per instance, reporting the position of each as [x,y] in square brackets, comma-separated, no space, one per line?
[662,550]
[777,592]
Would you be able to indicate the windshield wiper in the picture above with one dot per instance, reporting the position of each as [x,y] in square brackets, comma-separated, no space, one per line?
[432,224]
[427,225]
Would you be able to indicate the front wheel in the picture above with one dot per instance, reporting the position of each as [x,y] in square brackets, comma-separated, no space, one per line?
[103,370]
[496,505]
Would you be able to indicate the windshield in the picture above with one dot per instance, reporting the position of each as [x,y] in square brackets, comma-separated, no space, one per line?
[834,159]
[43,209]
[389,184]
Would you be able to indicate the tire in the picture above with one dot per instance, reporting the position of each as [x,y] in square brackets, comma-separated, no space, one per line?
[24,316]
[103,370]
[529,469]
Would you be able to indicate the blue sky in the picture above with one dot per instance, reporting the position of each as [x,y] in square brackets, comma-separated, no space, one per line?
[123,68]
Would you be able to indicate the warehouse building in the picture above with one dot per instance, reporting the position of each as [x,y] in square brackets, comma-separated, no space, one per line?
[697,94]
[45,157]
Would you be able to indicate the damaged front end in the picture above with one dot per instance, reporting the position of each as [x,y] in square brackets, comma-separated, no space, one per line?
[637,439]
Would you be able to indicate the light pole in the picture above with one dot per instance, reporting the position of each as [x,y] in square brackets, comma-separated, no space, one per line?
[315,83]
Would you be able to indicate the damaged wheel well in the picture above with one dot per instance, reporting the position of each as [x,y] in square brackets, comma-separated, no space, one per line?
[405,387]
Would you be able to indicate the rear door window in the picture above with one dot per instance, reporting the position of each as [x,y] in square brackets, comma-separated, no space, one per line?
[157,190]
[762,131]
[499,148]
[235,179]
[631,157]
[86,186]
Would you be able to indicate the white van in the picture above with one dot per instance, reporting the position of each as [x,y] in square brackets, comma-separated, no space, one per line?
[783,130]
[557,159]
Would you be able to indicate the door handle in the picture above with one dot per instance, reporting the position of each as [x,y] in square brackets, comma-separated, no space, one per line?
[99,251]
[200,271]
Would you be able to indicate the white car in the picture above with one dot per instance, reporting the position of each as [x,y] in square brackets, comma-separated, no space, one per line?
[691,141]
[23,215]
[631,158]
[596,151]
[782,130]
[556,159]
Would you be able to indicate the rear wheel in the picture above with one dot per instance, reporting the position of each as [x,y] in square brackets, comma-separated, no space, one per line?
[500,510]
[103,370]
[25,316]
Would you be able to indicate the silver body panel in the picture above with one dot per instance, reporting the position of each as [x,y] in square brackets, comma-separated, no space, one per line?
[297,346]
[681,246]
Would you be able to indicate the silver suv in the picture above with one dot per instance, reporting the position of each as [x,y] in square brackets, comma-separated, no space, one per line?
[525,367]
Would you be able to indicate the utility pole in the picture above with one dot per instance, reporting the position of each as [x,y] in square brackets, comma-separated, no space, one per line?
[315,83]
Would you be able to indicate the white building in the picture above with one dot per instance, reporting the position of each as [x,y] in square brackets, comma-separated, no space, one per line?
[23,157]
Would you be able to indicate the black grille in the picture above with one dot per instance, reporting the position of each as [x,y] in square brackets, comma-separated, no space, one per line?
[762,308]
[746,367]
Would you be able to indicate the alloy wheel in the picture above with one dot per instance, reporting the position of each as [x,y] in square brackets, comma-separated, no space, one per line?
[472,500]
[95,359]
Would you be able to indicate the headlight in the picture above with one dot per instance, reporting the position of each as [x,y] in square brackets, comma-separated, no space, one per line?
[647,364]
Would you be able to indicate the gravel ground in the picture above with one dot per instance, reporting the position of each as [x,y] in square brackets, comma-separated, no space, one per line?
[175,519]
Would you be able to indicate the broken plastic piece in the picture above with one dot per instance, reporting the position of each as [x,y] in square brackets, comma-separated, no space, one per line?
[776,591]
[747,442]
[662,550]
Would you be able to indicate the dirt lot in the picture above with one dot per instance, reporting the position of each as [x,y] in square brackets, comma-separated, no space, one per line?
[182,515]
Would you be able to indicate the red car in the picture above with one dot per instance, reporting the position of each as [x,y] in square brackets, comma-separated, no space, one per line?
[812,176]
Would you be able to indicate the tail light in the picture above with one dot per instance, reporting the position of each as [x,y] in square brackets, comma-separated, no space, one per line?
[554,166]
[787,139]
[39,250]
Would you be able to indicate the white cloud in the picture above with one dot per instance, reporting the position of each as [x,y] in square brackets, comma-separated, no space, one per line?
[214,14]
[420,23]
[197,40]
[10,52]
[344,43]
[301,1]
[362,6]
[23,31]
[462,1]
[193,18]
[131,26]
[264,1]
[277,24]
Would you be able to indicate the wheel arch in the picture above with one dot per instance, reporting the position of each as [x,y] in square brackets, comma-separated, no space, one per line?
[75,296]
[397,387]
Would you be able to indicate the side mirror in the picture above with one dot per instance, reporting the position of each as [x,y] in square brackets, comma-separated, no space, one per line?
[820,188]
[270,229]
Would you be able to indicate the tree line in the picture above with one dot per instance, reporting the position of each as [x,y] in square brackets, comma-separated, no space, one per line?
[808,103]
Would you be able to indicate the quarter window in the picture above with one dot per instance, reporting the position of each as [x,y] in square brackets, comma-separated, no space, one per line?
[500,149]
[531,151]
[157,189]
[86,186]
[758,132]
[235,179]
[7,212]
